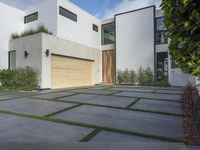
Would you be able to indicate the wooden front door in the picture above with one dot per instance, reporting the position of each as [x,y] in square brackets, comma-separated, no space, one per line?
[108,60]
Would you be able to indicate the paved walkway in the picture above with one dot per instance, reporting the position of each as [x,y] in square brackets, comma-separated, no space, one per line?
[92,114]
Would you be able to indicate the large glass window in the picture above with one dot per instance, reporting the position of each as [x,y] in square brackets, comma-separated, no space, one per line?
[108,33]
[161,37]
[162,66]
[12,59]
[68,14]
[31,17]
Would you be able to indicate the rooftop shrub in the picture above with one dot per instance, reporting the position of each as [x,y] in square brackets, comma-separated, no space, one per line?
[39,29]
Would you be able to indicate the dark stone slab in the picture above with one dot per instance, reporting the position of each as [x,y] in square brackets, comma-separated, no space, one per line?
[169,97]
[53,95]
[157,105]
[147,123]
[33,106]
[100,100]
[16,129]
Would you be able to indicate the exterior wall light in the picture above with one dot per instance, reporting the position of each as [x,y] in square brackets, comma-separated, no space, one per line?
[26,54]
[47,52]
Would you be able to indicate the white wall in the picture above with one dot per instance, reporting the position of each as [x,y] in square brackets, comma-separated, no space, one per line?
[80,31]
[33,45]
[12,21]
[135,39]
[47,15]
[67,48]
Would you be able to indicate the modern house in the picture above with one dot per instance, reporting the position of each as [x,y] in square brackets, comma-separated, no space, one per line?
[84,50]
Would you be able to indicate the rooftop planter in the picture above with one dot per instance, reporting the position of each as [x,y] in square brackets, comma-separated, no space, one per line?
[40,29]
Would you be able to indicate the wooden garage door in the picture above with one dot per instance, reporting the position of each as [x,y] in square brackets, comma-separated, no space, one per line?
[70,72]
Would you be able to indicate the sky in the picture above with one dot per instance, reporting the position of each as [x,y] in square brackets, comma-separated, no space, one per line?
[100,8]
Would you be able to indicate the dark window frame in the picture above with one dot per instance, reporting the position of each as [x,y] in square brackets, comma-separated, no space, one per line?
[74,18]
[95,27]
[36,13]
[9,67]
[102,37]
[160,32]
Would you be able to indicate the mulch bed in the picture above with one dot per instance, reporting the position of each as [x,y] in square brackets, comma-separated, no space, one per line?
[191,126]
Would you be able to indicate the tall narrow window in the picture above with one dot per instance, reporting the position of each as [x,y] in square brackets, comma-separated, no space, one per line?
[68,14]
[12,59]
[161,37]
[108,33]
[31,17]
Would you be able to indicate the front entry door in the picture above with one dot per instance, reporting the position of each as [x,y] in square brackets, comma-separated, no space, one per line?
[108,60]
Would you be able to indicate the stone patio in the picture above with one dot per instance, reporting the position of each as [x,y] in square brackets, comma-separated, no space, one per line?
[92,114]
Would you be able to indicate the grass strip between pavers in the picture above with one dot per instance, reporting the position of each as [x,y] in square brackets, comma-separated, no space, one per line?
[133,133]
[63,110]
[90,135]
[114,107]
[133,103]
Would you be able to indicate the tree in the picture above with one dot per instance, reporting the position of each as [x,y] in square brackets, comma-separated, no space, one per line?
[182,21]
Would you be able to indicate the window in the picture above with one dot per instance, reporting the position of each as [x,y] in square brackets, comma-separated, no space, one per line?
[161,37]
[12,59]
[31,17]
[68,14]
[108,33]
[162,66]
[95,27]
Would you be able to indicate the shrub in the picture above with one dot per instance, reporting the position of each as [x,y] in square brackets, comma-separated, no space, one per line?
[126,77]
[162,83]
[7,77]
[40,29]
[182,22]
[119,76]
[145,76]
[19,79]
[132,77]
[191,112]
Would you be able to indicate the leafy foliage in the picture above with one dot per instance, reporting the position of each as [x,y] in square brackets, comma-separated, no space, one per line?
[126,76]
[19,79]
[40,29]
[191,111]
[182,21]
[143,77]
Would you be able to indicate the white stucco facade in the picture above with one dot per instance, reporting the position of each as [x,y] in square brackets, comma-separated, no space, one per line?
[12,21]
[37,44]
[135,39]
[135,45]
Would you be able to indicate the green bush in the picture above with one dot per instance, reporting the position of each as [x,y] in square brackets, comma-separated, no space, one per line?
[126,77]
[40,29]
[145,76]
[182,22]
[7,77]
[19,79]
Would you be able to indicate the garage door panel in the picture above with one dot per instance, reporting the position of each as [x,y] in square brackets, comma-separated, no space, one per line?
[71,72]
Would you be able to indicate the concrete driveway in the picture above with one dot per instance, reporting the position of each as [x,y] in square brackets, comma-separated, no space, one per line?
[92,114]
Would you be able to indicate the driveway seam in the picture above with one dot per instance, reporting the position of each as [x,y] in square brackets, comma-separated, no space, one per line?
[133,103]
[90,135]
[62,110]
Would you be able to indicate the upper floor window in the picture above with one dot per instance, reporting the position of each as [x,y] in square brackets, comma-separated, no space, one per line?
[161,37]
[68,14]
[31,17]
[108,33]
[95,27]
